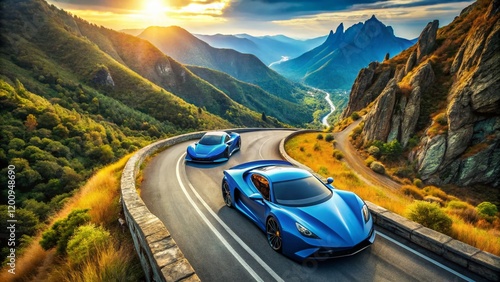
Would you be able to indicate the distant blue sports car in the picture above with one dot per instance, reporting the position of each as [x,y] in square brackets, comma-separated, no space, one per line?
[215,146]
[303,217]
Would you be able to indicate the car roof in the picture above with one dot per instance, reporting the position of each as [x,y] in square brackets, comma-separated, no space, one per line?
[278,173]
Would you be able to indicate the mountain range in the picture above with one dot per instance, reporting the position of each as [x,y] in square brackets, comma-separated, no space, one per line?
[188,49]
[440,100]
[335,63]
[269,49]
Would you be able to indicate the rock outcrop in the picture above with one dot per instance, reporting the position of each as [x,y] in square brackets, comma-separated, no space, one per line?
[427,40]
[103,77]
[462,73]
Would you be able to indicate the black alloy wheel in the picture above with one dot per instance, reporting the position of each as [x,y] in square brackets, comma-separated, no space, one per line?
[274,234]
[226,194]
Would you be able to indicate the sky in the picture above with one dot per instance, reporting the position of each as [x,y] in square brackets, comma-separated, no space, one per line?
[298,19]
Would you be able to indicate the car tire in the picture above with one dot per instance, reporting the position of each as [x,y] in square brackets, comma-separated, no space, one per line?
[226,194]
[273,233]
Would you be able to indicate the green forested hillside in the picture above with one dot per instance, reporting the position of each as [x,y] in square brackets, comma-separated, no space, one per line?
[258,99]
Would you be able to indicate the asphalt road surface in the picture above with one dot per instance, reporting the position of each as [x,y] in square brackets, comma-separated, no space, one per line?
[223,245]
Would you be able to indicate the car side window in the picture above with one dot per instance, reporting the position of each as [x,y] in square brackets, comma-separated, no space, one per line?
[262,185]
[227,138]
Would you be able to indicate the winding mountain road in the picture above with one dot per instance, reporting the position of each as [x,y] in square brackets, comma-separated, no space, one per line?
[356,163]
[222,245]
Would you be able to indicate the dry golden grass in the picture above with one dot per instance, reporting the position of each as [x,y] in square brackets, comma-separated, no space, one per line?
[302,148]
[101,195]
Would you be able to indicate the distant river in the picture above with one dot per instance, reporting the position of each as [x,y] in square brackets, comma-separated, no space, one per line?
[324,121]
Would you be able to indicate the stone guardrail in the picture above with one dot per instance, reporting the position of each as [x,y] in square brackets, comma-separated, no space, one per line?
[160,257]
[482,263]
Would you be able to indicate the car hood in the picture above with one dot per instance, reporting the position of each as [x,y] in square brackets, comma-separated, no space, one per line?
[200,149]
[336,221]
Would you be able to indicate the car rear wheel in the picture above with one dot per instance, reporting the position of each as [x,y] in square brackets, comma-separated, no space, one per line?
[274,234]
[226,194]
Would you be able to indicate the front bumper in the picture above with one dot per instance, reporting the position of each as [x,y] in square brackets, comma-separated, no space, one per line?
[322,253]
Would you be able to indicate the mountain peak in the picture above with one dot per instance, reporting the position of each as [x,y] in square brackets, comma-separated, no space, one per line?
[373,18]
[340,28]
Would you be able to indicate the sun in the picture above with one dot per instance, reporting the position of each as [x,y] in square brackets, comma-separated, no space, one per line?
[154,7]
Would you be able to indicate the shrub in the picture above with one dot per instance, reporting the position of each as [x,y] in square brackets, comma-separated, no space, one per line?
[317,147]
[429,215]
[433,199]
[85,243]
[319,137]
[417,182]
[338,154]
[355,116]
[377,167]
[329,137]
[463,210]
[374,151]
[413,192]
[403,172]
[392,150]
[487,211]
[436,192]
[369,161]
[62,230]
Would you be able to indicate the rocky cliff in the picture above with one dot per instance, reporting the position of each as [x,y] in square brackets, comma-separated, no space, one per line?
[443,92]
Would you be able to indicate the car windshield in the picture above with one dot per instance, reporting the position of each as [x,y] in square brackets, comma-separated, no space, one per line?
[210,140]
[301,192]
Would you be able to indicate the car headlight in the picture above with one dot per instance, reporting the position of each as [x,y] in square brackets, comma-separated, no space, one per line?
[366,213]
[304,231]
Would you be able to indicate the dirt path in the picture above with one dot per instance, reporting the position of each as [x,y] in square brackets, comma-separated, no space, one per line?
[357,163]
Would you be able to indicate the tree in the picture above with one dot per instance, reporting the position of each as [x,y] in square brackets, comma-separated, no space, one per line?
[264,117]
[30,123]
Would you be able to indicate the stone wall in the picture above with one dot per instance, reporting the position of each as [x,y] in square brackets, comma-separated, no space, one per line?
[160,257]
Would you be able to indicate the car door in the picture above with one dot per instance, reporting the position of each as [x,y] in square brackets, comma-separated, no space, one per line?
[258,205]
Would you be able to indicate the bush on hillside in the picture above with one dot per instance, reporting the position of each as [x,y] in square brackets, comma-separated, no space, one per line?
[86,241]
[62,230]
[430,215]
[378,167]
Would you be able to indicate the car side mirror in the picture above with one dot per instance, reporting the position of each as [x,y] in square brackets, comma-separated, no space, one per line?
[329,180]
[256,197]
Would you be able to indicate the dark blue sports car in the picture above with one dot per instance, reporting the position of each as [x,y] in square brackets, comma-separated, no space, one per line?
[216,146]
[303,217]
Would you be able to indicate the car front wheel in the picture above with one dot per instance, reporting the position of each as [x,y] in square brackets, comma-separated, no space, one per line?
[274,234]
[226,194]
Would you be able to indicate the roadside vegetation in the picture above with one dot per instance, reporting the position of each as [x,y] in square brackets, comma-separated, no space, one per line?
[84,240]
[472,222]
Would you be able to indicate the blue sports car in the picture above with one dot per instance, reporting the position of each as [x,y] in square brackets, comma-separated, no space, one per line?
[303,217]
[216,146]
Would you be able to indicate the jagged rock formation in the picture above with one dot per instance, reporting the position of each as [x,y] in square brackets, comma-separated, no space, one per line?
[444,91]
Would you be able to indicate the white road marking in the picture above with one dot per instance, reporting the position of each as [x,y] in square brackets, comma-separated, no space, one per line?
[262,146]
[219,235]
[424,257]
